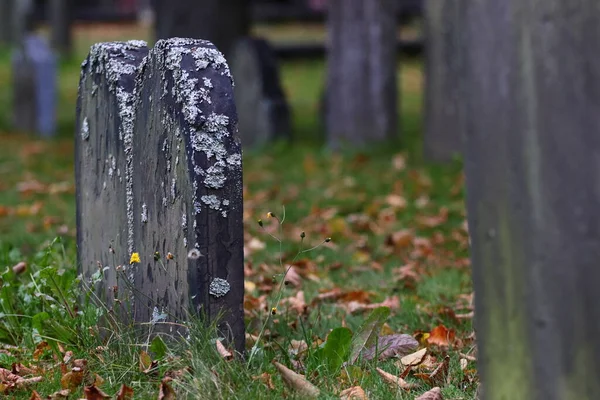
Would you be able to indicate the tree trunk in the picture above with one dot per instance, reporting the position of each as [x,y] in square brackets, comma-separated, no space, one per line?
[442,136]
[533,171]
[361,72]
[222,22]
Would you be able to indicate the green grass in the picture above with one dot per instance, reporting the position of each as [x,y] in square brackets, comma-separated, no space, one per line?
[345,196]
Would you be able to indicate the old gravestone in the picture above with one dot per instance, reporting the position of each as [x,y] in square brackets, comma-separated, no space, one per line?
[177,180]
[34,86]
[263,111]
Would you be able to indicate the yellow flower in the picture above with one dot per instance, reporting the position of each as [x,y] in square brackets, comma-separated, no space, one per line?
[135,258]
[270,215]
[274,310]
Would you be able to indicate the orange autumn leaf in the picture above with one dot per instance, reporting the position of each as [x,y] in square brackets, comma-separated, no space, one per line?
[441,336]
[94,393]
[125,393]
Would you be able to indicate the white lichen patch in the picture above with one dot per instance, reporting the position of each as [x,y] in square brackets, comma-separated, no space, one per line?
[85,129]
[212,201]
[219,287]
[144,213]
[183,221]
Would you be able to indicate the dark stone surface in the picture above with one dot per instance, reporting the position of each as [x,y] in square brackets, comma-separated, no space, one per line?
[34,86]
[263,111]
[103,141]
[533,188]
[163,138]
[444,73]
[188,186]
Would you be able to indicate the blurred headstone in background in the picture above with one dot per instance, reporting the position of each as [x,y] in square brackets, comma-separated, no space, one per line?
[59,16]
[263,111]
[6,12]
[34,86]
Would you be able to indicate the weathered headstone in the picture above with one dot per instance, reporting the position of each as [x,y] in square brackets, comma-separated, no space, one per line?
[532,170]
[263,111]
[179,204]
[444,72]
[34,86]
[103,159]
[361,72]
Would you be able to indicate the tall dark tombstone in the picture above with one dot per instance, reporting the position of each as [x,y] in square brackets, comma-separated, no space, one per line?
[532,175]
[444,72]
[180,200]
[6,18]
[223,22]
[34,85]
[264,114]
[361,72]
[60,17]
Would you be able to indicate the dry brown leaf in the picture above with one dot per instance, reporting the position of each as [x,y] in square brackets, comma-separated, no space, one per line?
[35,396]
[61,394]
[401,239]
[439,375]
[353,393]
[433,394]
[71,380]
[399,162]
[20,268]
[165,391]
[223,352]
[296,381]
[390,346]
[40,349]
[125,393]
[297,302]
[396,201]
[297,347]
[463,363]
[413,359]
[145,361]
[394,381]
[265,378]
[441,336]
[94,393]
[293,278]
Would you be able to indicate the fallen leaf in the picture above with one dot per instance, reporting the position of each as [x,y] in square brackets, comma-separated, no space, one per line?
[401,239]
[293,278]
[223,352]
[265,378]
[165,391]
[463,363]
[368,332]
[396,201]
[413,359]
[394,381]
[94,393]
[433,394]
[19,268]
[441,336]
[35,396]
[125,393]
[353,393]
[390,346]
[145,361]
[61,394]
[439,374]
[297,347]
[296,381]
[71,380]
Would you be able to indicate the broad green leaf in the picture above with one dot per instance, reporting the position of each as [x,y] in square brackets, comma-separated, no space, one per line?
[366,336]
[337,347]
[158,347]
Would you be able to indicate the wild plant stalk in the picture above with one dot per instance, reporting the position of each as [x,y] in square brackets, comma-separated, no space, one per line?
[279,290]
